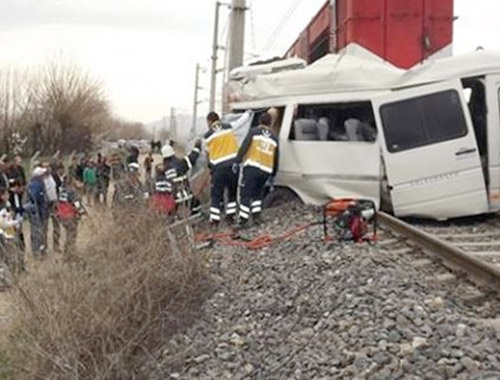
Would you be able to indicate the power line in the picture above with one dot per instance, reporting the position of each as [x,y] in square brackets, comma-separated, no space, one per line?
[286,17]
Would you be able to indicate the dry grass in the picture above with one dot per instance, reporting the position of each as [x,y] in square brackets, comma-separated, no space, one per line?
[104,313]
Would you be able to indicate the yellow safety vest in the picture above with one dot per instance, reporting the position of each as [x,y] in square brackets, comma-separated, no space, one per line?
[221,145]
[261,152]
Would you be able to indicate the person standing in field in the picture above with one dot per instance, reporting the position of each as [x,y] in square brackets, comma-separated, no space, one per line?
[51,187]
[8,232]
[38,212]
[130,190]
[69,211]
[103,179]
[17,207]
[90,182]
[17,172]
[148,166]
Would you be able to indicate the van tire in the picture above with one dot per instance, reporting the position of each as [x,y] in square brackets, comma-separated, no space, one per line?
[279,196]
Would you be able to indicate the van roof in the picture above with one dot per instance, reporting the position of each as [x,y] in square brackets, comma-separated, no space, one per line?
[355,70]
[348,72]
[462,66]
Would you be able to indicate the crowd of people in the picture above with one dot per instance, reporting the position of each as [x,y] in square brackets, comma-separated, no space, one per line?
[54,194]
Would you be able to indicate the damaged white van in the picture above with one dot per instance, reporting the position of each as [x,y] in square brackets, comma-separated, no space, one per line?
[426,141]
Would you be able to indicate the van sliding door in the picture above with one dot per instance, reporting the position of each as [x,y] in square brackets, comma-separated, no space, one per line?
[430,152]
[329,150]
[493,127]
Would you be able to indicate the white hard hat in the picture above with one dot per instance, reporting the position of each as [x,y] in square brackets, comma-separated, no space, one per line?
[167,151]
[39,172]
[133,166]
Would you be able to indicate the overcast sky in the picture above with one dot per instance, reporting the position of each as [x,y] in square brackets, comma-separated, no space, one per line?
[145,51]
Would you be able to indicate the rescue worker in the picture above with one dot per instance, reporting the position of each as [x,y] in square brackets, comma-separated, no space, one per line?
[162,200]
[176,173]
[129,191]
[259,155]
[69,210]
[222,148]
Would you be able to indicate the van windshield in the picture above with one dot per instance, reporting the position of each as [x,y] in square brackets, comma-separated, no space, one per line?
[334,122]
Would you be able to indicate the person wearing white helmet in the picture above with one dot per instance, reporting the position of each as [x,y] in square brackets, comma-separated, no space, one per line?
[176,172]
[167,151]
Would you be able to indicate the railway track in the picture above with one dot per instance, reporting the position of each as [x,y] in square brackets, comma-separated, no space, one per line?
[470,250]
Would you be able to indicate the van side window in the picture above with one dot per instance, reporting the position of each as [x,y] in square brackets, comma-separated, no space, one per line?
[334,122]
[276,117]
[424,120]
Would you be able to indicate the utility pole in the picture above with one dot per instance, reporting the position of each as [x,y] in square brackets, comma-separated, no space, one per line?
[215,50]
[196,102]
[237,34]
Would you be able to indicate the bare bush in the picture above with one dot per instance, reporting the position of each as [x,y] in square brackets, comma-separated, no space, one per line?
[107,311]
[57,107]
[70,106]
[14,102]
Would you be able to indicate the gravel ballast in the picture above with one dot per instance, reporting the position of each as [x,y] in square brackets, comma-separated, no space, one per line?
[306,309]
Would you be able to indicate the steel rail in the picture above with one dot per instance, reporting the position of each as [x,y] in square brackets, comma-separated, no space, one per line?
[479,271]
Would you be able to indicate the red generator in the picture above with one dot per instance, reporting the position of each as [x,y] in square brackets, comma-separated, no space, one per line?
[402,32]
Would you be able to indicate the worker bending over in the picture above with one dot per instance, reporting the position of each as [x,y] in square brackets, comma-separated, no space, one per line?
[259,155]
[222,149]
[176,174]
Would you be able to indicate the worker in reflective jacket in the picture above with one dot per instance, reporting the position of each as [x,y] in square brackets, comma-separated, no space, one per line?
[176,174]
[222,148]
[259,156]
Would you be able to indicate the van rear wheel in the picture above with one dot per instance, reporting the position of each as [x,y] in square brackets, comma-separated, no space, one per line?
[279,196]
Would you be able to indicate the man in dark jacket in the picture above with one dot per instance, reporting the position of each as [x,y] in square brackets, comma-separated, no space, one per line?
[222,148]
[259,155]
[176,173]
[103,179]
[17,207]
[38,212]
[4,178]
[16,172]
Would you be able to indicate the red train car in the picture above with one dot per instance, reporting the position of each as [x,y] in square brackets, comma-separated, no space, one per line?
[403,32]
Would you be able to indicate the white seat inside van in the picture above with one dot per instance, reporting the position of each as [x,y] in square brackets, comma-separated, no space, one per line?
[323,128]
[351,128]
[306,130]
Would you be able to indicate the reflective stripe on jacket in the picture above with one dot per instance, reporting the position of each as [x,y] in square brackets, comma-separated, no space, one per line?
[260,150]
[221,144]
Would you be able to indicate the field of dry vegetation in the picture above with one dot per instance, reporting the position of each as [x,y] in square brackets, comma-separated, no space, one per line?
[105,311]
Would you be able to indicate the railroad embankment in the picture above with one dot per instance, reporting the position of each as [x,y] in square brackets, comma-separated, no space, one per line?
[306,309]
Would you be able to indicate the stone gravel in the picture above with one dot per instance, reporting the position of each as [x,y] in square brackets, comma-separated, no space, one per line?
[306,309]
